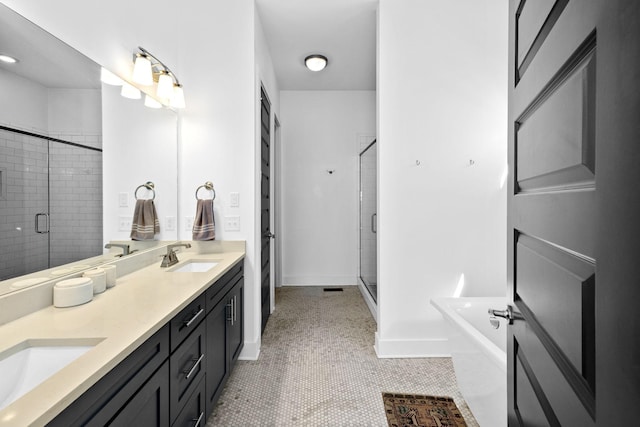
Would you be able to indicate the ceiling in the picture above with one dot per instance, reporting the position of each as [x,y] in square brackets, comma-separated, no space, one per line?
[42,57]
[342,30]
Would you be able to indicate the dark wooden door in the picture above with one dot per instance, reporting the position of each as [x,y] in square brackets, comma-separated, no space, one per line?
[265,211]
[574,108]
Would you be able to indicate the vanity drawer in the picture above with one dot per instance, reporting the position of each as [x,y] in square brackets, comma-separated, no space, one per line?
[217,291]
[193,414]
[186,321]
[186,369]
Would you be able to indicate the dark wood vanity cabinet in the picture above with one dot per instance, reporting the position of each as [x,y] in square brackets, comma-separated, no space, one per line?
[224,332]
[175,377]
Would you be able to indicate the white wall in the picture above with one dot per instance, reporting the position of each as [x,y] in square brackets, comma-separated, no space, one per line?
[23,104]
[210,47]
[320,132]
[141,146]
[442,100]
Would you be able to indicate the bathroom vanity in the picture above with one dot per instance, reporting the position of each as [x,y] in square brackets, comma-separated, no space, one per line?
[164,343]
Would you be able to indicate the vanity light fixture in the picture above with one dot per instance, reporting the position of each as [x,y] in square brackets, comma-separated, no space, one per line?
[151,103]
[109,78]
[8,59]
[149,69]
[316,62]
[129,91]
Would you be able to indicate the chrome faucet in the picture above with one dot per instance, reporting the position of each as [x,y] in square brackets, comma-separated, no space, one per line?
[123,246]
[170,258]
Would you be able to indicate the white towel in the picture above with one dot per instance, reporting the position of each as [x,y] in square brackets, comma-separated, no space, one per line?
[145,222]
[204,224]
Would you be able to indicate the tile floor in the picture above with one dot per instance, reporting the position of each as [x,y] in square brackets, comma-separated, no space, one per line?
[317,367]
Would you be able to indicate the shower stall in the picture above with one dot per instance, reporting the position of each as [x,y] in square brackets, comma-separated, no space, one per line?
[50,200]
[368,219]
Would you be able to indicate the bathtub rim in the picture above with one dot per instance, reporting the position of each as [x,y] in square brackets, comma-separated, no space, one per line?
[446,306]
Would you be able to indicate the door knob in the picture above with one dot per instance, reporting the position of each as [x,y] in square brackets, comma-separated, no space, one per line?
[269,235]
[505,314]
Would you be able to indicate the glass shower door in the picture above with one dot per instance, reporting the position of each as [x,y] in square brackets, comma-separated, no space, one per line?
[368,219]
[24,204]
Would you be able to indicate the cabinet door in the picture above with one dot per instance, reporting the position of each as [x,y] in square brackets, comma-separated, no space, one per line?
[187,368]
[217,367]
[236,323]
[148,407]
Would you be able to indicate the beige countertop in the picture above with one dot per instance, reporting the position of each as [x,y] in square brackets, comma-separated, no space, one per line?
[120,319]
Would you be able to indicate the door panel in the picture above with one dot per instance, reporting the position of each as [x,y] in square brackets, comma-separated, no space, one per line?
[552,217]
[265,208]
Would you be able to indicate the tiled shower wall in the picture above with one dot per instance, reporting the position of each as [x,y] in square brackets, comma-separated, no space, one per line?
[74,201]
[23,194]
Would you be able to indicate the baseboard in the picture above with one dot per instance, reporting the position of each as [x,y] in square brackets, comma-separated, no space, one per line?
[319,281]
[401,349]
[250,351]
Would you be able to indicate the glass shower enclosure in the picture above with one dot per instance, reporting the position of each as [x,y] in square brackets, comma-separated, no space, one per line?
[368,219]
[50,202]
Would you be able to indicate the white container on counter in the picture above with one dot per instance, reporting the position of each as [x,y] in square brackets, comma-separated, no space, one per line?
[99,278]
[110,270]
[70,292]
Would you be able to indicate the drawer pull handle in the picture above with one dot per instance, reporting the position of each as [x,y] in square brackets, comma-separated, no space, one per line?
[190,372]
[229,306]
[198,420]
[188,323]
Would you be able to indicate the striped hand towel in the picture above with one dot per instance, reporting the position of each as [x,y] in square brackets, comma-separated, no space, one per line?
[145,222]
[204,224]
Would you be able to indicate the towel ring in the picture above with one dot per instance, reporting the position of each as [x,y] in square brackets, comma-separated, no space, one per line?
[149,186]
[208,186]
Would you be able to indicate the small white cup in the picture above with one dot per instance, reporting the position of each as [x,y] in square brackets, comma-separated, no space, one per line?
[99,279]
[110,270]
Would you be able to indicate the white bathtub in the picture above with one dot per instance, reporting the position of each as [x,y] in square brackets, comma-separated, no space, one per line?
[479,355]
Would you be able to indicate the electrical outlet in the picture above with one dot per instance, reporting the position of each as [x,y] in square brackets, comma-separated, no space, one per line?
[171,223]
[123,200]
[124,223]
[188,224]
[234,200]
[231,223]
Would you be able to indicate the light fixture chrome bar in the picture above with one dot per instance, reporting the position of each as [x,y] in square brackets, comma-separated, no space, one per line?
[155,63]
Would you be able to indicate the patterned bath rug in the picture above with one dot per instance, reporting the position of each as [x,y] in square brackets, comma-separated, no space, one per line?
[412,410]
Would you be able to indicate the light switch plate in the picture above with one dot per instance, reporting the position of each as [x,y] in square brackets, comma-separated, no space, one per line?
[234,200]
[123,200]
[188,224]
[124,223]
[171,223]
[231,223]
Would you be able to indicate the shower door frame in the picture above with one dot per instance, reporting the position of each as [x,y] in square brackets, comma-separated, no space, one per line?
[372,223]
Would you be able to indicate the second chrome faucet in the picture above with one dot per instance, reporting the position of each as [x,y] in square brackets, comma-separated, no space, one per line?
[170,258]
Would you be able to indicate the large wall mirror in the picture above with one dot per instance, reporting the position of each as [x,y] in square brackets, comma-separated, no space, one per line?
[72,154]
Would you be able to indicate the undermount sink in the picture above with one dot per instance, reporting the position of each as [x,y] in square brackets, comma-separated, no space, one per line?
[26,365]
[194,266]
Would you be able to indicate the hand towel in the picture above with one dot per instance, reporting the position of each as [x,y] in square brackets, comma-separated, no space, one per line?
[204,224]
[145,222]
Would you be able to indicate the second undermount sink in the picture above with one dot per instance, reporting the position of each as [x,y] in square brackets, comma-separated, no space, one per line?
[194,266]
[26,365]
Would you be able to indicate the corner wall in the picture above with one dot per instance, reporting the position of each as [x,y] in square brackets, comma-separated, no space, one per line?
[442,101]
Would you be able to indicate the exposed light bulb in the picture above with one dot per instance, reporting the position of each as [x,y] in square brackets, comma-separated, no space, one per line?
[177,99]
[130,92]
[109,78]
[165,86]
[142,73]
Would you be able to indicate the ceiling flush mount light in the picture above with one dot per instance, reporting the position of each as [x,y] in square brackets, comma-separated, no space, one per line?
[148,69]
[8,59]
[316,62]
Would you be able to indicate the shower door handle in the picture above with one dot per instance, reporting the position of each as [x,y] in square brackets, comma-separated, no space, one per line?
[374,228]
[37,226]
